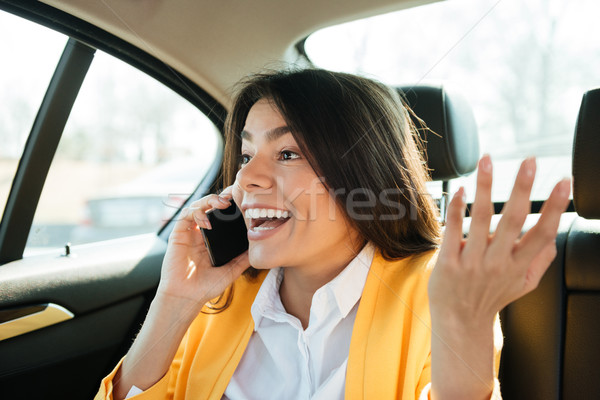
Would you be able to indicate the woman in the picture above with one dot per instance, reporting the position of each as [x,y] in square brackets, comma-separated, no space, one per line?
[343,241]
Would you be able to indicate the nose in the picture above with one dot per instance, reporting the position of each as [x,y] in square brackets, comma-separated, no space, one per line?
[255,175]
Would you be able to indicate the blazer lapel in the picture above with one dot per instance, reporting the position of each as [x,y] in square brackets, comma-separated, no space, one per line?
[391,338]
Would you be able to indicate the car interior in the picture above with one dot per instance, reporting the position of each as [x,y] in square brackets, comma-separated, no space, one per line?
[550,334]
[67,315]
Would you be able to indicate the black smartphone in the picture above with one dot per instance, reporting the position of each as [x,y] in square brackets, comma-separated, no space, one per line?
[228,237]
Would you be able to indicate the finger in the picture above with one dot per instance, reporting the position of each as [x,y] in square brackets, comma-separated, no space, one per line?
[195,215]
[544,231]
[451,244]
[515,210]
[200,218]
[211,201]
[481,211]
[185,220]
[190,217]
[197,210]
[227,192]
[539,266]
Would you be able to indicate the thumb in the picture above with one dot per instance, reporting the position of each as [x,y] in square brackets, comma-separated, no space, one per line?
[238,265]
[539,265]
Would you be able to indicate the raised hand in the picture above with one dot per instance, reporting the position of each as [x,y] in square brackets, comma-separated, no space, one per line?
[474,278]
[480,275]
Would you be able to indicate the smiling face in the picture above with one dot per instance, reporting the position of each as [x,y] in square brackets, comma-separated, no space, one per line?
[291,218]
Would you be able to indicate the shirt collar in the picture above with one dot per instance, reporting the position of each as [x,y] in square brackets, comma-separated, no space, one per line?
[346,288]
[267,301]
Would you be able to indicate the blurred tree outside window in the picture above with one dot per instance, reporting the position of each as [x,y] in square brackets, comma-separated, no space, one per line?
[131,153]
[523,67]
[24,78]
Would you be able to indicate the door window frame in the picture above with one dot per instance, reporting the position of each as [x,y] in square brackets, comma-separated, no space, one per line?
[62,91]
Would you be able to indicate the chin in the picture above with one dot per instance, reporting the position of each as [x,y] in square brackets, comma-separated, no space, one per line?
[263,258]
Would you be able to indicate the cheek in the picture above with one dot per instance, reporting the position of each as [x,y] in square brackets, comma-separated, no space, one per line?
[323,205]
[309,192]
[321,209]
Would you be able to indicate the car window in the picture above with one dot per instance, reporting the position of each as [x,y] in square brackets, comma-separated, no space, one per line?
[131,153]
[523,66]
[23,83]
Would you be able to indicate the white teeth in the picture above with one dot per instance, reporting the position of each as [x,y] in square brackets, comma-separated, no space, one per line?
[262,228]
[266,213]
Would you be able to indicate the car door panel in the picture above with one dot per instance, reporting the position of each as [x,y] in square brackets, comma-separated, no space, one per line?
[64,341]
[92,276]
[107,286]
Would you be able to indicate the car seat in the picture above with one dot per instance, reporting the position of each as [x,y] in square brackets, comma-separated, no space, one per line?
[552,335]
[446,126]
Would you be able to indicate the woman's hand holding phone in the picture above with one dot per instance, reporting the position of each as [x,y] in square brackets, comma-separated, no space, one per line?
[187,273]
[188,280]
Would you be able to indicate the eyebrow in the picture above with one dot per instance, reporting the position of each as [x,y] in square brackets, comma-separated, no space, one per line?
[270,135]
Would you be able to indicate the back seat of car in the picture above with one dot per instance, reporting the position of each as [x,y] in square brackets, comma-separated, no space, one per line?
[581,373]
[551,335]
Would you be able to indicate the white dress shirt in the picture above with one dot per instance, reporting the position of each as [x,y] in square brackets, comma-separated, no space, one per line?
[284,361]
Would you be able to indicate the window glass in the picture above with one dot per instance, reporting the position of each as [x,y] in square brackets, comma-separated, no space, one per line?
[30,54]
[522,65]
[132,152]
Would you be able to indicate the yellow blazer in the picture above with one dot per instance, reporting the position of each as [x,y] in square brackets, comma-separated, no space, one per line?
[390,349]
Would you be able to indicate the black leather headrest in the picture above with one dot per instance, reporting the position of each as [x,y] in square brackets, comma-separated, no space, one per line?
[586,157]
[455,151]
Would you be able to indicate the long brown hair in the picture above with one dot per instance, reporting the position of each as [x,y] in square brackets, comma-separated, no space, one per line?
[357,135]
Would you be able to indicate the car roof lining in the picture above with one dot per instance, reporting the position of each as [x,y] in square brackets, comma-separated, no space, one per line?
[167,31]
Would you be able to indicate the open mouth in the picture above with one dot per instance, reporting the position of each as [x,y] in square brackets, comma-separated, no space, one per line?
[263,219]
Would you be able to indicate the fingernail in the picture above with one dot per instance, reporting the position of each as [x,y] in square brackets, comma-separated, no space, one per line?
[530,166]
[460,193]
[203,223]
[223,200]
[564,188]
[486,163]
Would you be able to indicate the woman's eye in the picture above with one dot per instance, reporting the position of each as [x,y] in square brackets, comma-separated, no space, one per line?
[288,155]
[244,159]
